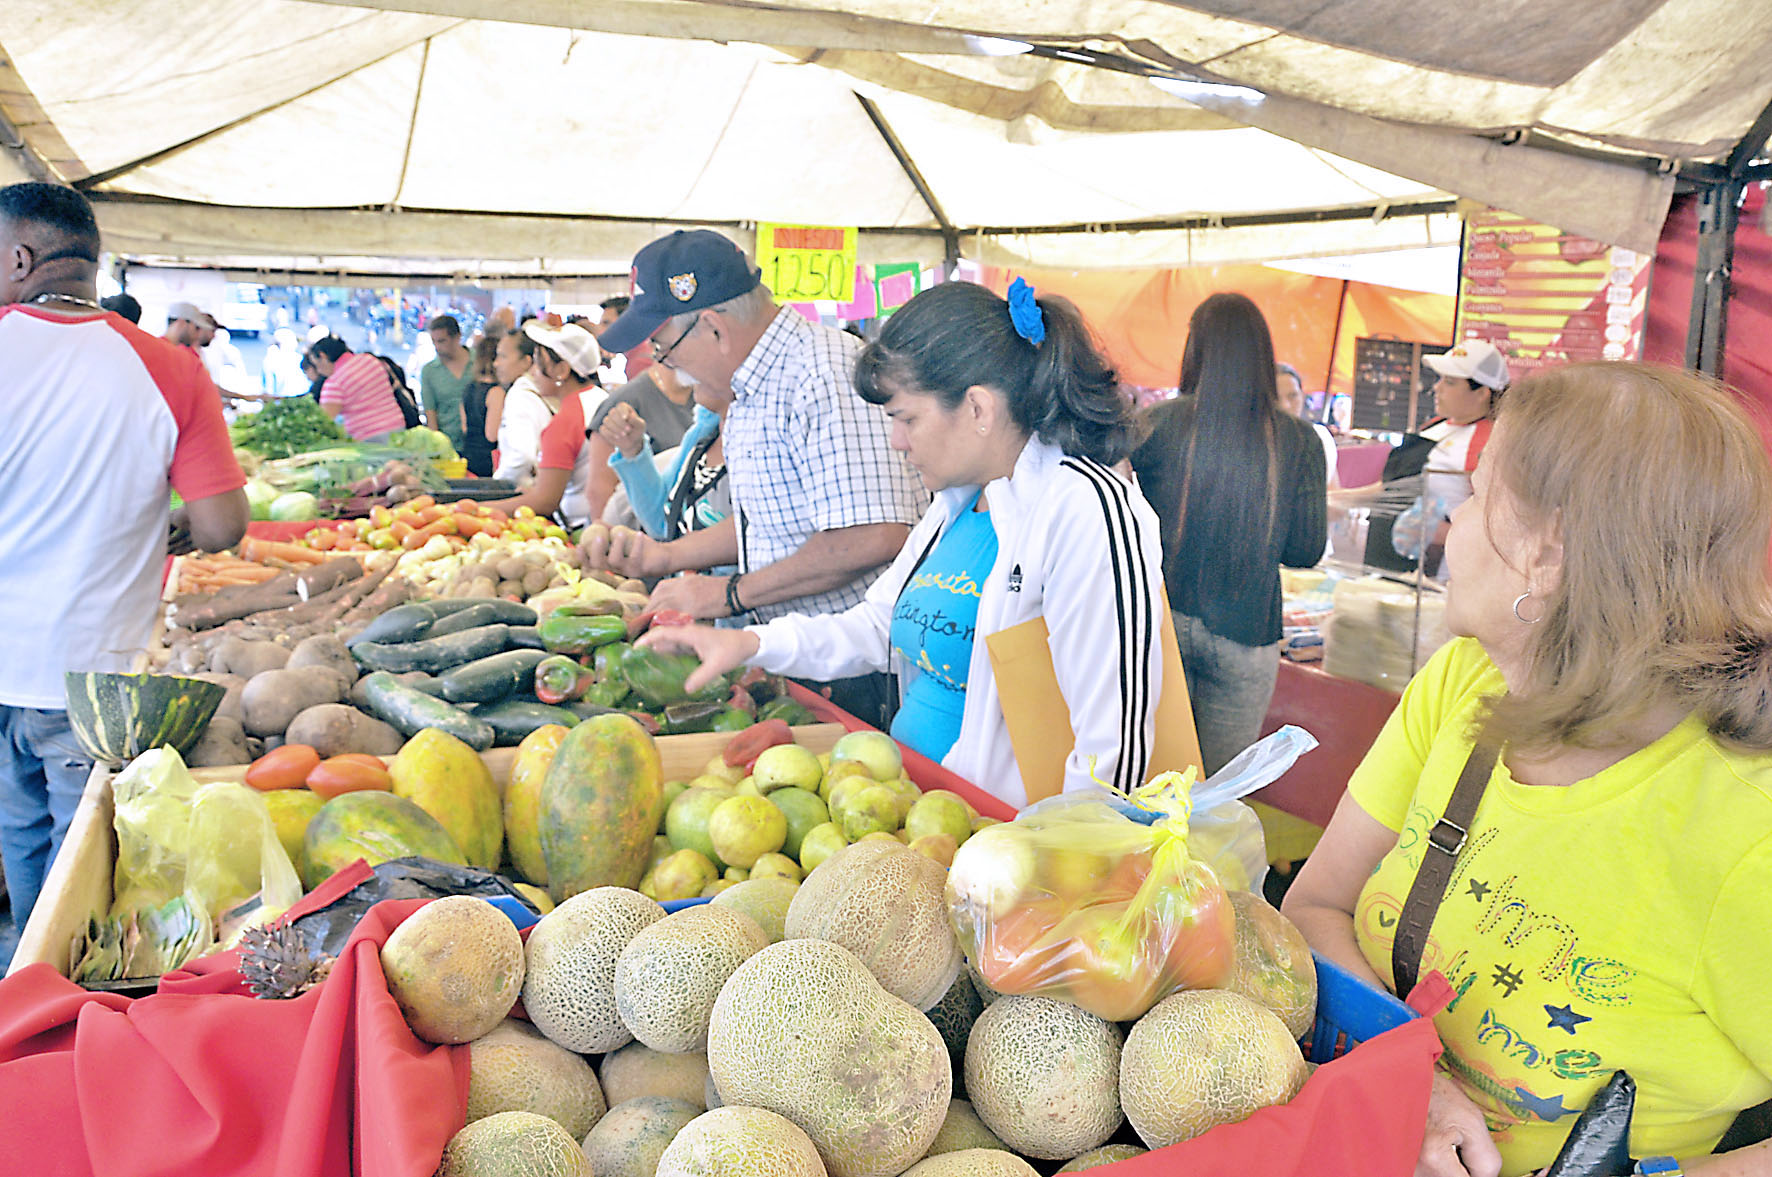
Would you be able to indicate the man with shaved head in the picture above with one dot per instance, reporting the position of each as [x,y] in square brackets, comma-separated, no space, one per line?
[103,423]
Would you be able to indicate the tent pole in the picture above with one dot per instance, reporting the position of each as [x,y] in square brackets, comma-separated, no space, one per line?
[1707,328]
[950,237]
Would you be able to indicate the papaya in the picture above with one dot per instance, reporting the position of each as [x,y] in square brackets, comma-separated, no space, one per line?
[447,779]
[376,827]
[600,806]
[523,801]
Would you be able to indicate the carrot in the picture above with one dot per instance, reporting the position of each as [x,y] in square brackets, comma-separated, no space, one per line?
[420,503]
[256,549]
[323,539]
[443,526]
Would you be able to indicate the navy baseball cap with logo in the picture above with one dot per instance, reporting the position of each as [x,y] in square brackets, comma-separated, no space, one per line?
[687,271]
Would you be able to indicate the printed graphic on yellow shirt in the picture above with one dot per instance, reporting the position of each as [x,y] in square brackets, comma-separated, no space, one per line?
[1524,991]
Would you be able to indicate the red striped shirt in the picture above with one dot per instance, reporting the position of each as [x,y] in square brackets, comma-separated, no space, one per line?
[361,390]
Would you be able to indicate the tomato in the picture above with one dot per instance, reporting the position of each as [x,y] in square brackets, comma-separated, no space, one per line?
[1117,965]
[350,772]
[1199,927]
[1019,953]
[283,768]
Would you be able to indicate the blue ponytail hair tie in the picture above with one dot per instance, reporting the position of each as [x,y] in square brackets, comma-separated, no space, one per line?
[1025,313]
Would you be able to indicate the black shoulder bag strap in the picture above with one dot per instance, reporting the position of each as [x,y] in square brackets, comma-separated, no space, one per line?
[1440,854]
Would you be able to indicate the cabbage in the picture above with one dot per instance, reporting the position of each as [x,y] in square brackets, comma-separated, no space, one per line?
[294,507]
[259,496]
[429,442]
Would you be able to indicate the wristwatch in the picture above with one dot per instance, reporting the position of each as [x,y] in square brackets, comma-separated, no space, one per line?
[1661,1166]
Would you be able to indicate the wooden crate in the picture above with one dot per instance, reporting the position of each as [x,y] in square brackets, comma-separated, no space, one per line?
[79,884]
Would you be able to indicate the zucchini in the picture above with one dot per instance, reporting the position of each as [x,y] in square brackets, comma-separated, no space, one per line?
[424,683]
[489,679]
[408,623]
[483,613]
[433,655]
[514,719]
[525,637]
[409,712]
[578,635]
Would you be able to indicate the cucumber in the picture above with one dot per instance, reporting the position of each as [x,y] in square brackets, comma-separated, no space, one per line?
[409,712]
[514,719]
[408,623]
[585,709]
[489,679]
[424,683]
[432,655]
[483,613]
[524,637]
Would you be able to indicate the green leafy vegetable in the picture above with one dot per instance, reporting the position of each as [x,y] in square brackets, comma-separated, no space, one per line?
[292,425]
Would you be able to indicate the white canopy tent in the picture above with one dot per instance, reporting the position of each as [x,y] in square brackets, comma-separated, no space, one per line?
[551,138]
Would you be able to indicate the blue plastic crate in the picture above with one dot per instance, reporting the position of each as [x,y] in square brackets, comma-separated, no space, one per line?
[680,904]
[1349,1011]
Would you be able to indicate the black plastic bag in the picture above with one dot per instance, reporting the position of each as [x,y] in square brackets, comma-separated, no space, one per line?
[325,932]
[1599,1144]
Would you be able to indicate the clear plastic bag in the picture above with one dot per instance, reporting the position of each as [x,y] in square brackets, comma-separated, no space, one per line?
[215,845]
[1112,903]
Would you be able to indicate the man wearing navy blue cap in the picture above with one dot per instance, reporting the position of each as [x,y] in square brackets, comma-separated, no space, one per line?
[820,500]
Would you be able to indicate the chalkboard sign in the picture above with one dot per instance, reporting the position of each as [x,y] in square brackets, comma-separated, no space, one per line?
[1392,389]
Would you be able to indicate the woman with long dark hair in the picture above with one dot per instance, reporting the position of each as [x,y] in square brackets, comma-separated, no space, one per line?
[1239,486]
[1013,418]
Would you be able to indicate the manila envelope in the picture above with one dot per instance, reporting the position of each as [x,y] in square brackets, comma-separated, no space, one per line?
[1039,722]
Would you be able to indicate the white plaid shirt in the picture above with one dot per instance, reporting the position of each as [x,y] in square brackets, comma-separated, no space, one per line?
[806,454]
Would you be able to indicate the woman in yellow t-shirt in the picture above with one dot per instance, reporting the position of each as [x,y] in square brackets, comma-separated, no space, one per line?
[1607,909]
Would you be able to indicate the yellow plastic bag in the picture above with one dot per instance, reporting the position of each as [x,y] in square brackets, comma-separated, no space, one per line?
[153,820]
[1076,901]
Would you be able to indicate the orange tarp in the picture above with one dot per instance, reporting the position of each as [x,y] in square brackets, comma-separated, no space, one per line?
[1141,315]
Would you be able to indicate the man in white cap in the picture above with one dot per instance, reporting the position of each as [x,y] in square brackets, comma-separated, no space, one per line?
[565,368]
[1473,375]
[189,326]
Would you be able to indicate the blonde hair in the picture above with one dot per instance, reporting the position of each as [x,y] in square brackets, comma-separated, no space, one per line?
[1661,490]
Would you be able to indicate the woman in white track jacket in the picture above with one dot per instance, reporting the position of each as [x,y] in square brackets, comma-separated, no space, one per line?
[1011,416]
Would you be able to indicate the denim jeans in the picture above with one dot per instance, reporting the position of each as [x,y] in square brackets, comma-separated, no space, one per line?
[43,771]
[1229,685]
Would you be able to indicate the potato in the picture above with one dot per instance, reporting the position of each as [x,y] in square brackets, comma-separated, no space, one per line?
[324,650]
[512,568]
[229,707]
[248,659]
[534,581]
[223,742]
[273,699]
[510,588]
[481,587]
[332,728]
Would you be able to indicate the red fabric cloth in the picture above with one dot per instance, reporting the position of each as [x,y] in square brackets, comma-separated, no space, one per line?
[201,1079]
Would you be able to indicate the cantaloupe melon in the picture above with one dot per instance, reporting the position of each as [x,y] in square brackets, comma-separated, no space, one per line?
[668,976]
[952,1017]
[1203,1058]
[516,1069]
[963,1130]
[973,1162]
[1107,1154]
[569,990]
[888,905]
[764,900]
[740,1142]
[513,1144]
[1274,965]
[636,1071]
[455,967]
[629,1140]
[1044,1075]
[803,1029]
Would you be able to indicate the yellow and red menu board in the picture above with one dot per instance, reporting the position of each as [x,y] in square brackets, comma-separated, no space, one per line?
[1546,297]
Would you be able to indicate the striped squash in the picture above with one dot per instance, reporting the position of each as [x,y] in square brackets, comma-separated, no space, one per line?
[116,717]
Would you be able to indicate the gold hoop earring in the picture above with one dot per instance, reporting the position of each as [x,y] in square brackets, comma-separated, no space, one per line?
[1521,600]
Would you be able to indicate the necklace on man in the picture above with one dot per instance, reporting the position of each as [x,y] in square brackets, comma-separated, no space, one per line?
[48,296]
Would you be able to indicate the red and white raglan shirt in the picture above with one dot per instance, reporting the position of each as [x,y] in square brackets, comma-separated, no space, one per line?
[102,419]
[565,447]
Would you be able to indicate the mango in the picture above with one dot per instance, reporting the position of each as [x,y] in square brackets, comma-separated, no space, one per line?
[522,803]
[448,780]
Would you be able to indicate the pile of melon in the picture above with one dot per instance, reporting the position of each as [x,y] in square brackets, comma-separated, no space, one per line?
[827,1027]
